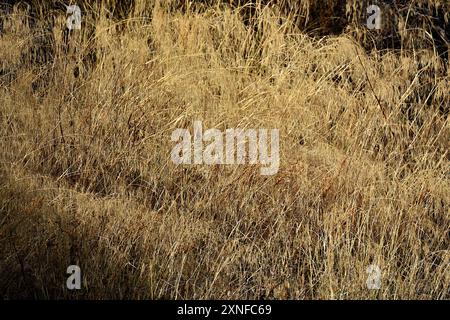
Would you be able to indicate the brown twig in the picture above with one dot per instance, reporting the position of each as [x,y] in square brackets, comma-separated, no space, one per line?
[370,85]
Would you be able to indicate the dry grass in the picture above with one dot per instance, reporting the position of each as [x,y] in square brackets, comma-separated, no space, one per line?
[86,176]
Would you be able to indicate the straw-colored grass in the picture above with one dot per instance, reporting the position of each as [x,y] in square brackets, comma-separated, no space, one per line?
[86,176]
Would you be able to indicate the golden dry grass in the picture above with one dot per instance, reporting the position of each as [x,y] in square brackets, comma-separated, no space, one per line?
[86,176]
